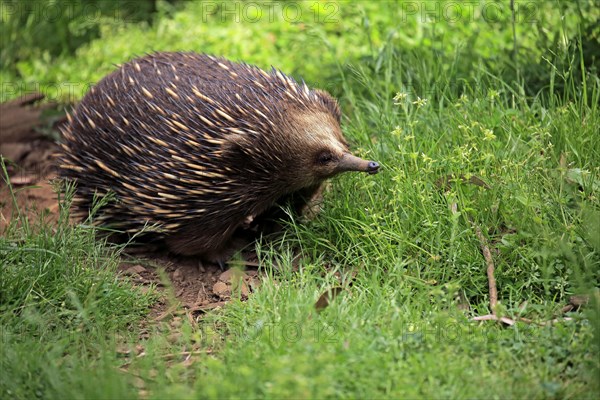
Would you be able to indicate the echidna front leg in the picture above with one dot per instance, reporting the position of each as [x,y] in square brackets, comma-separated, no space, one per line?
[311,201]
[304,204]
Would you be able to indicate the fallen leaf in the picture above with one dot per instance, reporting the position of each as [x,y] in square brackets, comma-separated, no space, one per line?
[327,297]
[445,182]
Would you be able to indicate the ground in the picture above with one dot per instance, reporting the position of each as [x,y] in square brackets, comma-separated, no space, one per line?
[28,142]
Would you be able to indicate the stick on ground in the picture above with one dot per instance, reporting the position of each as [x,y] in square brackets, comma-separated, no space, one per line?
[490,268]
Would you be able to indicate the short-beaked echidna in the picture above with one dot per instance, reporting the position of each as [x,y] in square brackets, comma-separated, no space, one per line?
[201,146]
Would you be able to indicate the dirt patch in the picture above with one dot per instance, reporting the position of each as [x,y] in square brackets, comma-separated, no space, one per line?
[195,286]
[28,154]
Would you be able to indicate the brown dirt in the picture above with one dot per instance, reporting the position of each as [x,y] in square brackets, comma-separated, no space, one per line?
[184,281]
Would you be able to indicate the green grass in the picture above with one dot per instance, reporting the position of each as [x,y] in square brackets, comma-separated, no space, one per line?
[386,338]
[62,308]
[426,109]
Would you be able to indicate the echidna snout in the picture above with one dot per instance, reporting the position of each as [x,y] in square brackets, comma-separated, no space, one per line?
[202,146]
[350,162]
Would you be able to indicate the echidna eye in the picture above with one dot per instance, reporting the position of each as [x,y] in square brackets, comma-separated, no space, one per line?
[325,158]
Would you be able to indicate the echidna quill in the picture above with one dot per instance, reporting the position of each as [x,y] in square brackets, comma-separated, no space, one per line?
[201,146]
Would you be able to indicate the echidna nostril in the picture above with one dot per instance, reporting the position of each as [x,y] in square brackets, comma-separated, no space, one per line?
[373,167]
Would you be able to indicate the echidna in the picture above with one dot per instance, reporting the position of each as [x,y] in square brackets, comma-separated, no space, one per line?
[201,146]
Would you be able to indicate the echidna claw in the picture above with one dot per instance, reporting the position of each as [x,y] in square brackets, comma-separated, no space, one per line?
[222,264]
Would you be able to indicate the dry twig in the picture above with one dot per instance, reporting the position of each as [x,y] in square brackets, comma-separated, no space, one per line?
[490,267]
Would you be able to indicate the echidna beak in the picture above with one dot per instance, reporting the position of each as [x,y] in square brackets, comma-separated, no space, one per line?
[349,162]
